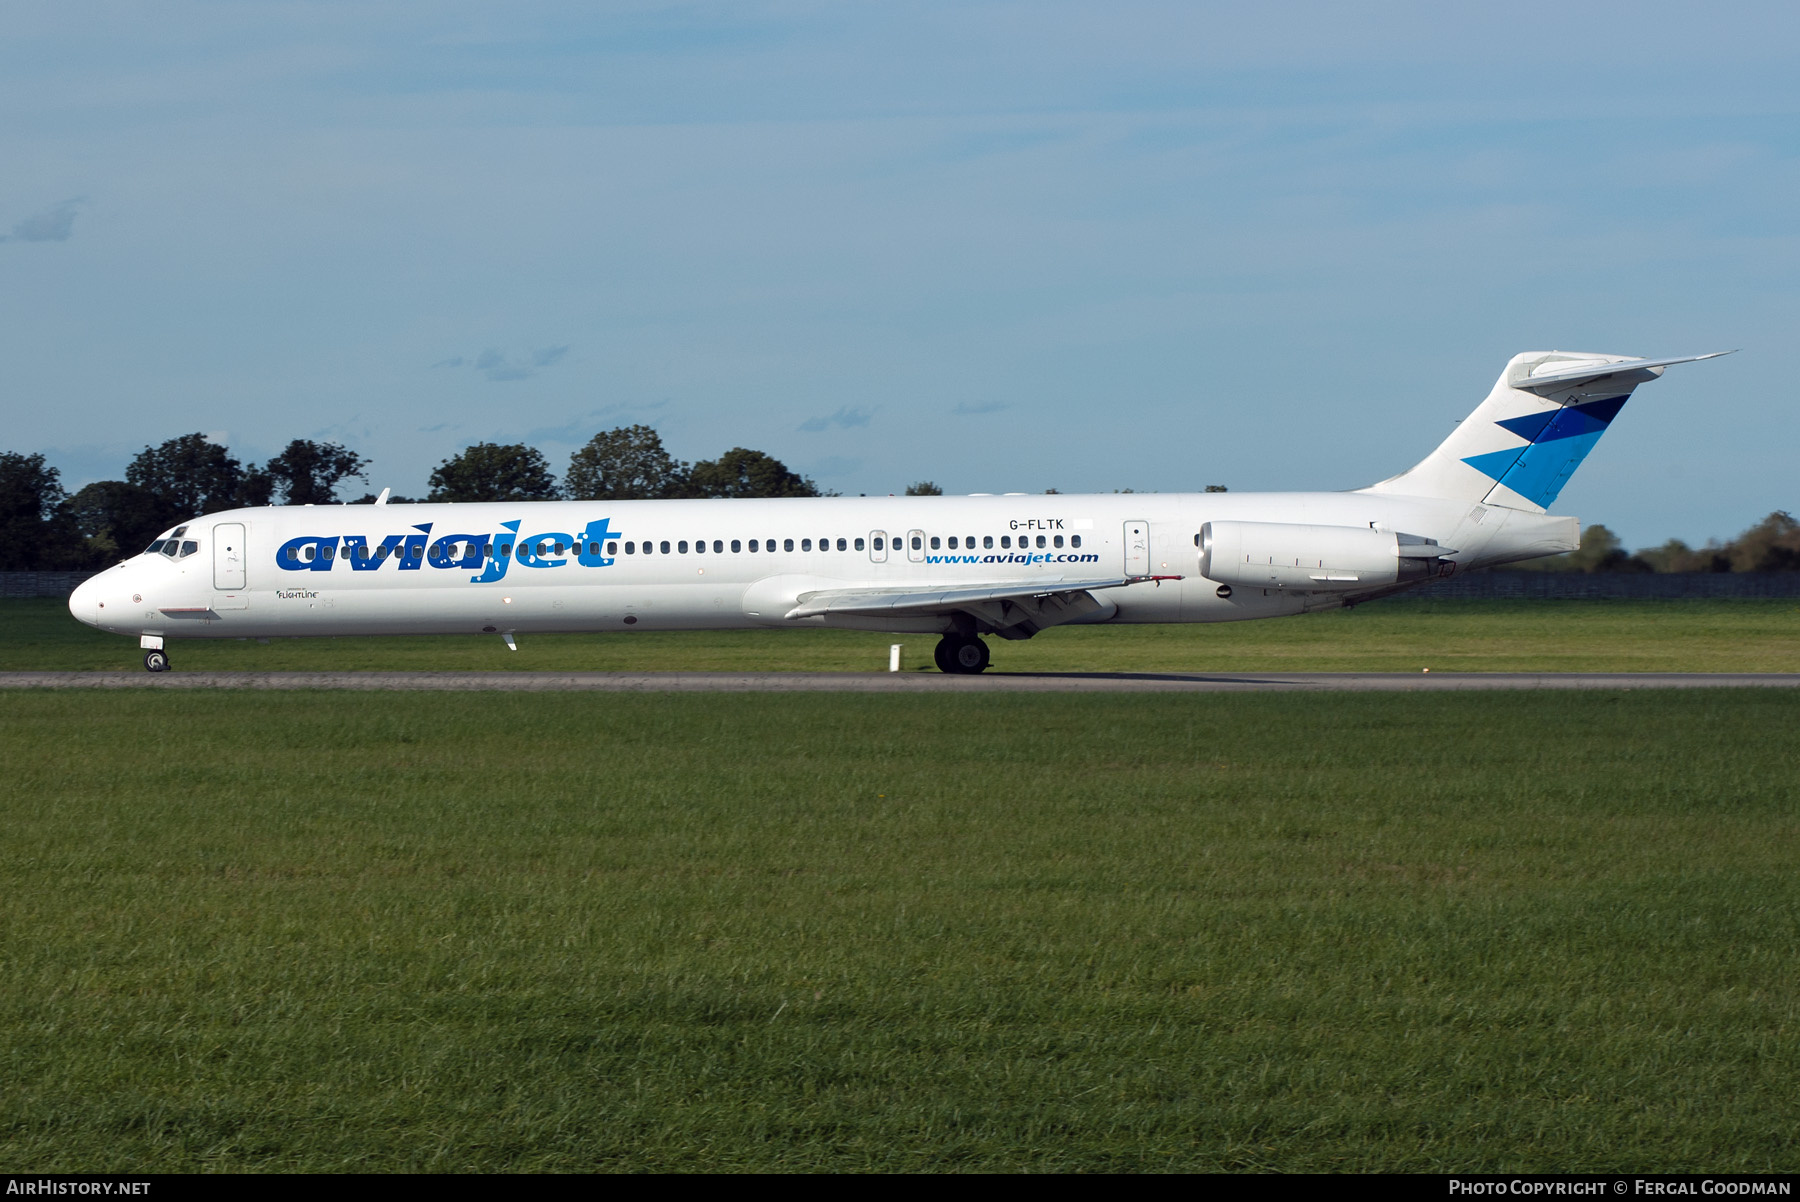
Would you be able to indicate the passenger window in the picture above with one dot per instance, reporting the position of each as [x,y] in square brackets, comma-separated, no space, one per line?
[307,554]
[953,542]
[859,544]
[753,545]
[787,544]
[1056,541]
[682,546]
[844,546]
[987,540]
[663,547]
[1074,540]
[969,542]
[934,542]
[718,546]
[806,544]
[918,544]
[1040,541]
[737,546]
[612,548]
[631,548]
[1006,542]
[878,545]
[560,548]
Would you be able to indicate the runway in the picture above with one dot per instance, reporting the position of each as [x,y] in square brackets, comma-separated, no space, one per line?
[901,682]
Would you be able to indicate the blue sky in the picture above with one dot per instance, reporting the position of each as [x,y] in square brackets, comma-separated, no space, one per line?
[1000,246]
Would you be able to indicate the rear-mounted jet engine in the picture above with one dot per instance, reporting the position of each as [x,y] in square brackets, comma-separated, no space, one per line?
[1300,558]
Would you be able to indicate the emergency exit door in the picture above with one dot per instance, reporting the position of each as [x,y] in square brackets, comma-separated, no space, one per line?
[228,556]
[1137,548]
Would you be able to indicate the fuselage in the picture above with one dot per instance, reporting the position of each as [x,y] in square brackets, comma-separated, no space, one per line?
[712,564]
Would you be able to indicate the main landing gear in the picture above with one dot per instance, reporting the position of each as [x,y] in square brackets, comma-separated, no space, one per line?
[156,660]
[961,653]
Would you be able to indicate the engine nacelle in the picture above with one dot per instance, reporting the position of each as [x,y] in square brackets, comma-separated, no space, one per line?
[1300,558]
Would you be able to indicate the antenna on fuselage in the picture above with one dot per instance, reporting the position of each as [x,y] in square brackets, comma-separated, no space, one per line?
[382,499]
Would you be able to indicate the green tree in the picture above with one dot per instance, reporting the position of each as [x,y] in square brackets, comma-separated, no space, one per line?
[1772,545]
[308,473]
[924,488]
[190,476]
[492,472]
[36,533]
[625,464]
[115,519]
[741,472]
[1677,556]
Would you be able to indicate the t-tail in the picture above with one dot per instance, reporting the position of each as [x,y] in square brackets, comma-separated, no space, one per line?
[1521,445]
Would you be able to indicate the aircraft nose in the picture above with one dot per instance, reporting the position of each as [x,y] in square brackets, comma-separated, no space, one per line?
[84,602]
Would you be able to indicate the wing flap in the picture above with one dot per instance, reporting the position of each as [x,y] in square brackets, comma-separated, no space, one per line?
[917,600]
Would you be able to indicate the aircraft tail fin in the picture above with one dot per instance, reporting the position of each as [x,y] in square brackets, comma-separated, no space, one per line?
[1523,442]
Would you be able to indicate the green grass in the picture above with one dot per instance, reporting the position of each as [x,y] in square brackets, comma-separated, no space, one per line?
[506,932]
[1463,636]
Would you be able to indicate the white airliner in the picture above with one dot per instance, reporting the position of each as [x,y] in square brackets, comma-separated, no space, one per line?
[959,567]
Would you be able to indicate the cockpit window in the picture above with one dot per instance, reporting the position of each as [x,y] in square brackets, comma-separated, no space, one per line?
[171,548]
[178,532]
[154,547]
[188,548]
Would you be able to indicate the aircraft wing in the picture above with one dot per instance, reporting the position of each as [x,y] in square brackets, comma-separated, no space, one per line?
[913,599]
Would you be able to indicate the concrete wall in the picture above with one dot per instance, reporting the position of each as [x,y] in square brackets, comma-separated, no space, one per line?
[40,584]
[1607,586]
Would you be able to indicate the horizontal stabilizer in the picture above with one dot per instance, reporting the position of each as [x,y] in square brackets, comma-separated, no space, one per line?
[1542,381]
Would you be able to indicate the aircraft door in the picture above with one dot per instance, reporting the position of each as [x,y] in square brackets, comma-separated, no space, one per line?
[878,546]
[1137,548]
[228,555]
[915,545]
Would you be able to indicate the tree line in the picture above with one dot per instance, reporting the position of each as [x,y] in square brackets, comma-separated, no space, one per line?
[45,528]
[1772,545]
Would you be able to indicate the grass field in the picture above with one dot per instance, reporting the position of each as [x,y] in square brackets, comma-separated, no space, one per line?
[491,932]
[1396,636]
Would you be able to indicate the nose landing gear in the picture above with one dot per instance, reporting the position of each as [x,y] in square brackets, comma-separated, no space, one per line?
[156,661]
[961,654]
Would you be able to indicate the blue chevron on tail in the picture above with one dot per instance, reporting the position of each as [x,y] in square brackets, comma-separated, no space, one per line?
[1556,444]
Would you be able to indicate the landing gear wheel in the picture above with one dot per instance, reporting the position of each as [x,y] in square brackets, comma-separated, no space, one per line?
[961,655]
[156,661]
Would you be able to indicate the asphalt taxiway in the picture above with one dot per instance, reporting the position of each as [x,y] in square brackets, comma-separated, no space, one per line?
[901,682]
